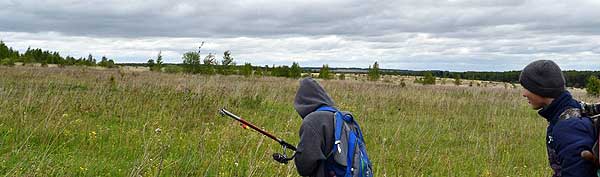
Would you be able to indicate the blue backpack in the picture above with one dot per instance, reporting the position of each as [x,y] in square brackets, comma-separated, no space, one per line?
[348,157]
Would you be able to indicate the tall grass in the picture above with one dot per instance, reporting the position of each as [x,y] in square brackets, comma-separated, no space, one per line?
[85,122]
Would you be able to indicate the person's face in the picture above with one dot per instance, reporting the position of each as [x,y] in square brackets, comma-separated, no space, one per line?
[536,101]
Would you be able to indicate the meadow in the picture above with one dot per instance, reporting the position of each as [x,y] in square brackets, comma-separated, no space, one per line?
[78,121]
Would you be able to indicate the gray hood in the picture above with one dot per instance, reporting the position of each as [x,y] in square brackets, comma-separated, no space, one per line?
[310,96]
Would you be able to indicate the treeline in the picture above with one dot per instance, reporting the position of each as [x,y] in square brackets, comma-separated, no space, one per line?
[576,79]
[9,56]
[193,63]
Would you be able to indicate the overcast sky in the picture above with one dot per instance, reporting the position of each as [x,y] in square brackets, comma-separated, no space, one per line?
[457,35]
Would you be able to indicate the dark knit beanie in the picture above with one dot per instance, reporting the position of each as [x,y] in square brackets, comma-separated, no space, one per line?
[544,78]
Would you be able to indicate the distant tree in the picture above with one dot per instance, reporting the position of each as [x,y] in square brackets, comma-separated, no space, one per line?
[103,62]
[227,64]
[295,71]
[428,79]
[90,60]
[150,64]
[191,62]
[593,86]
[159,62]
[209,64]
[6,55]
[3,51]
[246,70]
[227,59]
[324,72]
[374,73]
[342,76]
[209,59]
[110,64]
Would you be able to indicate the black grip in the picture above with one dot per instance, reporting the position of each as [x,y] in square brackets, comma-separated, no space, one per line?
[287,145]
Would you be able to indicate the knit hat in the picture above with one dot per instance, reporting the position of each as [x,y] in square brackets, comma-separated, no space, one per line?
[544,78]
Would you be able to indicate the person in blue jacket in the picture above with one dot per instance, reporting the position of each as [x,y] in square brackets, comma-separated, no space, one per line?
[568,133]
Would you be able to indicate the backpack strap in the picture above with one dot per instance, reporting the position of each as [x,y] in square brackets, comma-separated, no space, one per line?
[338,128]
[350,155]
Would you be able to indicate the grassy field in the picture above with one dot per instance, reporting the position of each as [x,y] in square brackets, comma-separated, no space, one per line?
[86,122]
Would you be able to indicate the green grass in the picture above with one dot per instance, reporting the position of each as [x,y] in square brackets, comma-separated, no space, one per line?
[85,122]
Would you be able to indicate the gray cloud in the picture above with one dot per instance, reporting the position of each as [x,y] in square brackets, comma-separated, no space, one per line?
[405,34]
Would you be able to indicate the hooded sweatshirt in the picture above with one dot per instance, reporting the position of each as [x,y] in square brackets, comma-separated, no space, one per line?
[316,132]
[566,138]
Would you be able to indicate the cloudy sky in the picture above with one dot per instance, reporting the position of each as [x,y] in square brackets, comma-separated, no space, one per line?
[457,35]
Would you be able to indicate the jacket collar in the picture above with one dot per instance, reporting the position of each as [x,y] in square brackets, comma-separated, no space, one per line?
[558,105]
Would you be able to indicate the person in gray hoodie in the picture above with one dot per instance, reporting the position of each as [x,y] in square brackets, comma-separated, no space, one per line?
[317,130]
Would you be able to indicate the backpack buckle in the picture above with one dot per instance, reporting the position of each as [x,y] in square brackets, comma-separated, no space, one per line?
[337,143]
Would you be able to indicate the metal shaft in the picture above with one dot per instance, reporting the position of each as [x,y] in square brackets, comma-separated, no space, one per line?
[239,119]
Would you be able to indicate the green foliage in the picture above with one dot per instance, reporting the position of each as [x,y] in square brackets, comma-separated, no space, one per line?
[173,69]
[428,79]
[158,65]
[208,66]
[575,78]
[150,64]
[457,80]
[191,62]
[295,71]
[285,71]
[90,61]
[7,62]
[259,72]
[374,73]
[280,71]
[246,70]
[45,57]
[108,63]
[324,72]
[6,52]
[227,65]
[593,86]
[342,76]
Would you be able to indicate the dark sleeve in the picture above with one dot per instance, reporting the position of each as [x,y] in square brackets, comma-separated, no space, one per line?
[309,153]
[573,136]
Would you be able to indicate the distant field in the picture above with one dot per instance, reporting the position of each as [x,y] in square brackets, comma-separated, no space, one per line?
[78,121]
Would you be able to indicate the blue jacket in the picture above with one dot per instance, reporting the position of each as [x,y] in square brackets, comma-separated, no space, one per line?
[566,138]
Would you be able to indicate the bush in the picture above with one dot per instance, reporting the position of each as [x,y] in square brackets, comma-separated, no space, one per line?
[428,79]
[374,73]
[593,86]
[7,62]
[173,69]
[324,72]
[295,70]
[246,70]
[457,80]
[342,76]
